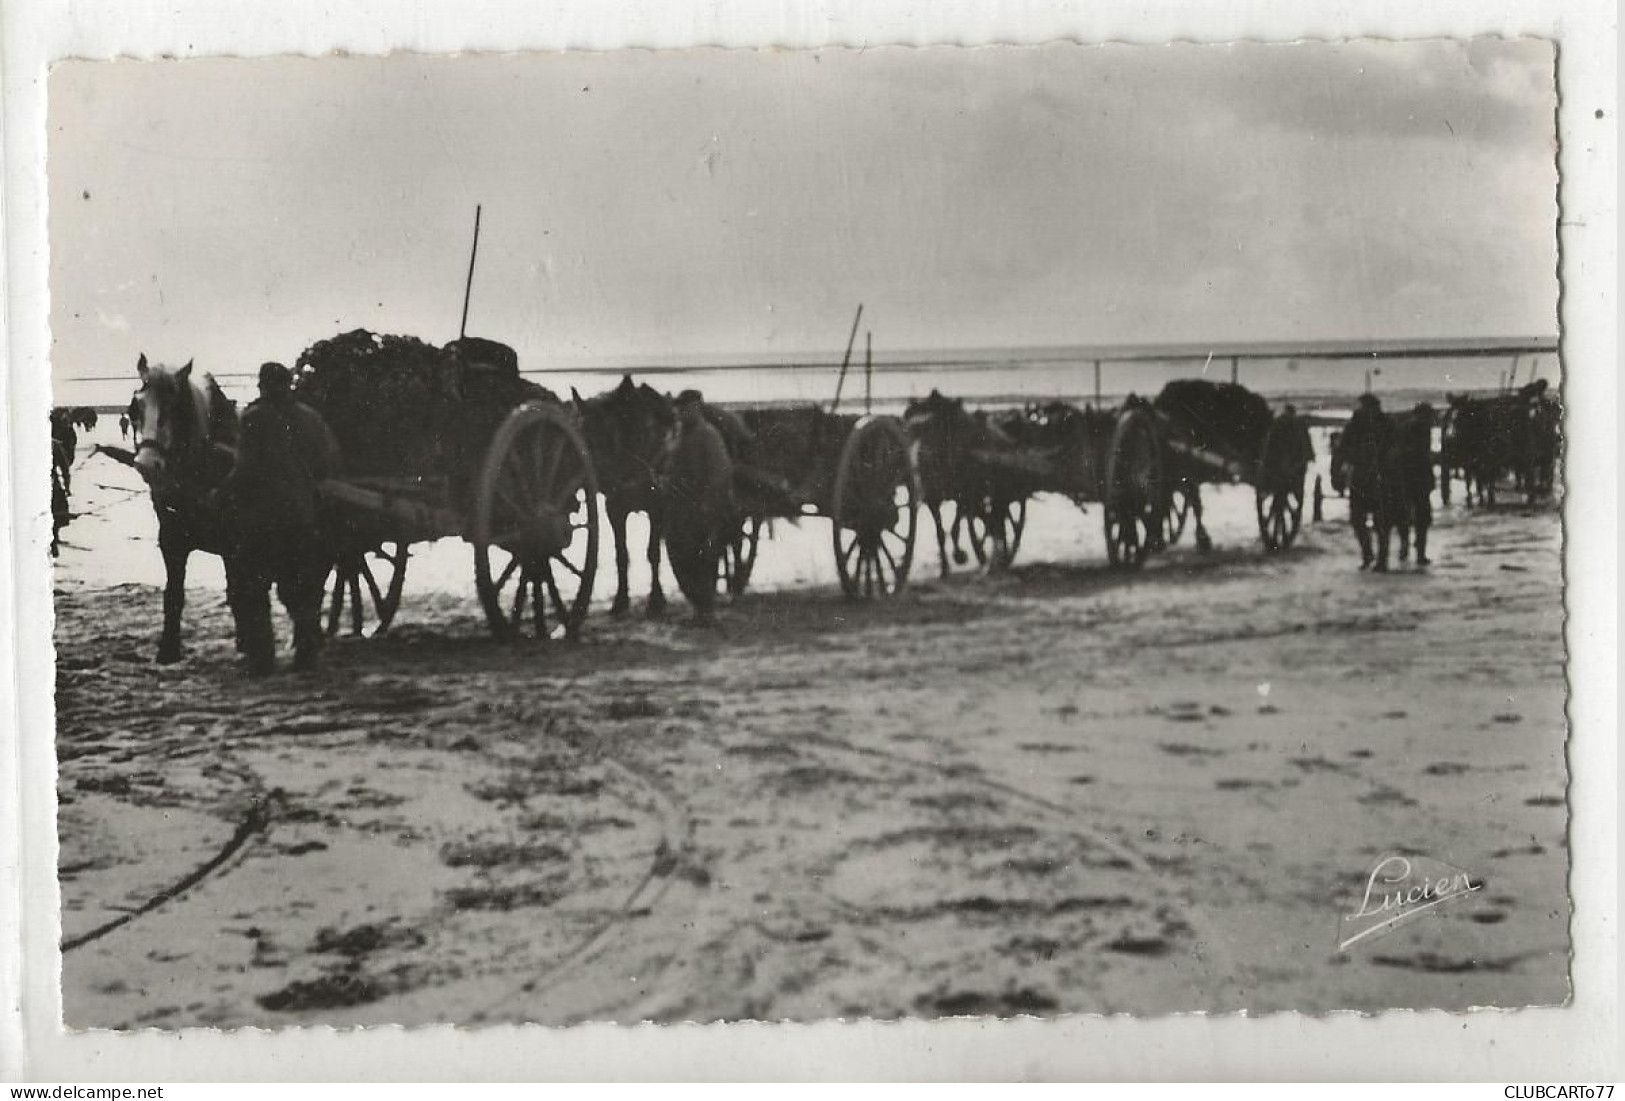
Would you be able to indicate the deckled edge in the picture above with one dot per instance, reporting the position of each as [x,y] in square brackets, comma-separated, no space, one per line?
[1569,625]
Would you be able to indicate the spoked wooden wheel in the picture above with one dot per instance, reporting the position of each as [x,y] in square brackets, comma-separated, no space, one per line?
[1134,498]
[1278,497]
[875,509]
[1280,515]
[535,526]
[739,557]
[364,588]
[995,531]
[1179,511]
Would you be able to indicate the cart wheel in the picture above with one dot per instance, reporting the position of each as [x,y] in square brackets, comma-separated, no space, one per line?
[739,557]
[363,582]
[1179,511]
[1278,497]
[875,512]
[535,525]
[1135,499]
[995,531]
[1280,515]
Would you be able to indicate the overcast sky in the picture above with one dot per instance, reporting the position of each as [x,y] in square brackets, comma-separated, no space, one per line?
[641,205]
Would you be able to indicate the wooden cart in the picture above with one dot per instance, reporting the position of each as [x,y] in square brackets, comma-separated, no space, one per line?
[516,481]
[988,465]
[859,472]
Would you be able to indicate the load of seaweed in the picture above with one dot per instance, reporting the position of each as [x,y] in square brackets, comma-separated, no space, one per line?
[401,407]
[1222,417]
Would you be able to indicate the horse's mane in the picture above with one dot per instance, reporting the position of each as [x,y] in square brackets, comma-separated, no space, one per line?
[222,412]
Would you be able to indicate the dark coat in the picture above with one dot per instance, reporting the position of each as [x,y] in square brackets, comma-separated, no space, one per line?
[284,449]
[699,510]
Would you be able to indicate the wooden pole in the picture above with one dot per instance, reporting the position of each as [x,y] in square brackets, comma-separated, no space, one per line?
[868,370]
[1097,384]
[468,287]
[1235,369]
[846,360]
[1512,376]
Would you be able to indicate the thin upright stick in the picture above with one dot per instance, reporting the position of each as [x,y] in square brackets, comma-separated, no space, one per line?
[468,288]
[846,360]
[868,370]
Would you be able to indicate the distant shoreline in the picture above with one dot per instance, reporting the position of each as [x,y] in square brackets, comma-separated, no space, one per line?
[1323,407]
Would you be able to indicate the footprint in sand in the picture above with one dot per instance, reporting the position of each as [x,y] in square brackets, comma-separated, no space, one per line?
[1237,784]
[1386,795]
[1186,711]
[1184,749]
[1315,764]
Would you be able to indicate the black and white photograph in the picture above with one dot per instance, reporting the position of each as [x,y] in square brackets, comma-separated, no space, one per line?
[789,535]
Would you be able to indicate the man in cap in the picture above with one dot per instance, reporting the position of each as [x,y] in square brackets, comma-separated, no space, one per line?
[1361,447]
[1416,478]
[284,450]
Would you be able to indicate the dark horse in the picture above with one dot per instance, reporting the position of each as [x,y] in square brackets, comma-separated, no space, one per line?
[629,431]
[185,432]
[1386,461]
[951,473]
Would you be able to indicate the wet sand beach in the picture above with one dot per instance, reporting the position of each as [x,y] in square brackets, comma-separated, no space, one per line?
[1061,789]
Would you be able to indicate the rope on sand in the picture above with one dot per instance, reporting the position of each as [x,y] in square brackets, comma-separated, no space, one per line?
[257,819]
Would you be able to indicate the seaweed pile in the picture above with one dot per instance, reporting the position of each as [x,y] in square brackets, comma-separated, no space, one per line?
[1222,417]
[400,406]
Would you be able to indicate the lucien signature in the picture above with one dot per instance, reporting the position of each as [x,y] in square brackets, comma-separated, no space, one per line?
[1396,891]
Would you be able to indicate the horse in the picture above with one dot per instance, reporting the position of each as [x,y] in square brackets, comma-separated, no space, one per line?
[185,432]
[948,433]
[628,432]
[1484,441]
[1386,461]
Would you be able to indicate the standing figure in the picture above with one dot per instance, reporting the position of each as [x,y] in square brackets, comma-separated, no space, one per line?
[698,504]
[124,426]
[1358,458]
[61,512]
[1407,487]
[284,450]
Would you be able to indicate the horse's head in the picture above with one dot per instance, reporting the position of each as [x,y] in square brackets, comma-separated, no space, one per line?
[170,415]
